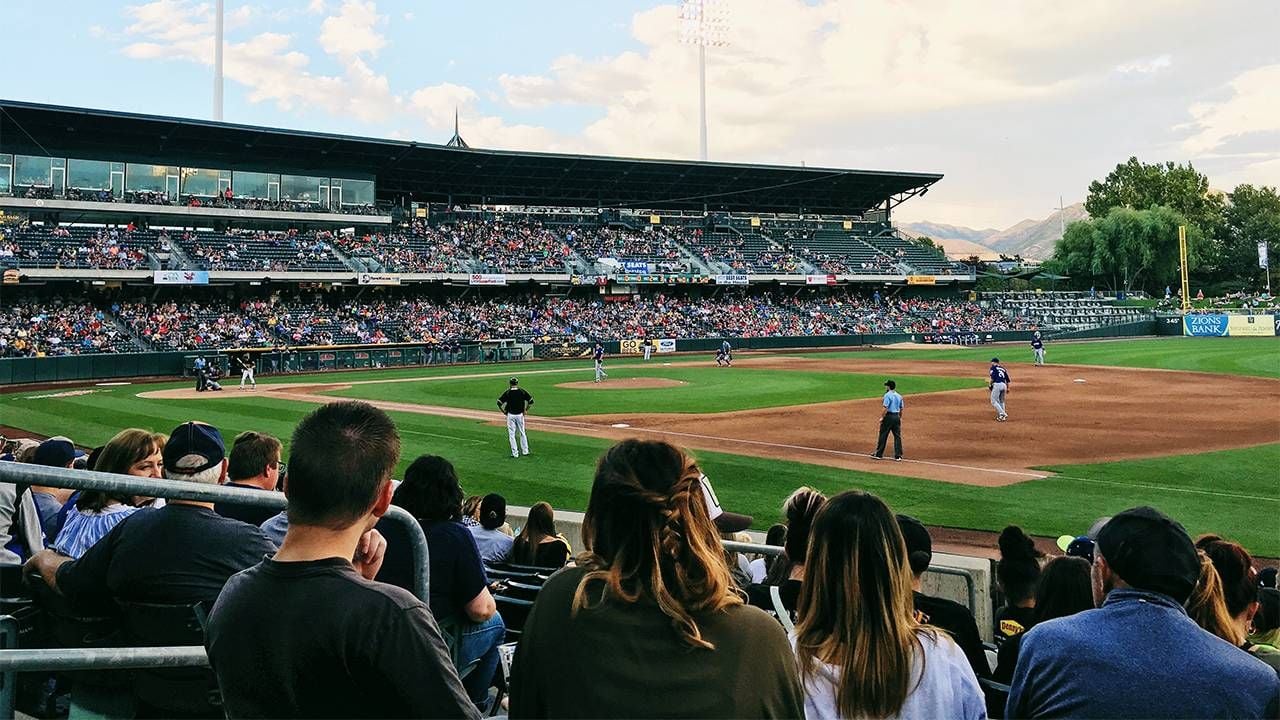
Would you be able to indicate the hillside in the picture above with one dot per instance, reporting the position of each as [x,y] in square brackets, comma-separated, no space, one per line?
[1030,238]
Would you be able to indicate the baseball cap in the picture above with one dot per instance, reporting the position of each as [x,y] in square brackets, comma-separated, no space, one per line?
[1083,545]
[995,359]
[493,511]
[726,522]
[919,544]
[197,443]
[1150,551]
[54,452]
[891,384]
[515,381]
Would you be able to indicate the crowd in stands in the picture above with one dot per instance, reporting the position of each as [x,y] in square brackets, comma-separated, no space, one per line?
[59,327]
[311,610]
[226,199]
[652,245]
[24,244]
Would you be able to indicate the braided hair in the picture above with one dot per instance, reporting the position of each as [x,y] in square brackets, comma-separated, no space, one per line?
[649,538]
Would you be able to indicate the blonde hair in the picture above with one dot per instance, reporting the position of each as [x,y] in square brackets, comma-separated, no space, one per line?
[855,610]
[1208,604]
[649,538]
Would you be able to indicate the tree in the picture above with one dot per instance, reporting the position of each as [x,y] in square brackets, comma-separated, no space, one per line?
[930,244]
[1125,249]
[1140,186]
[1252,216]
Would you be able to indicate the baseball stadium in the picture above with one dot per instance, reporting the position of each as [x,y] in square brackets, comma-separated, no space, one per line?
[162,270]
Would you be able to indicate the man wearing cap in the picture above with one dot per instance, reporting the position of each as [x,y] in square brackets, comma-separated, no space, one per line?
[999,387]
[890,422]
[54,452]
[514,402]
[181,553]
[1139,654]
[949,615]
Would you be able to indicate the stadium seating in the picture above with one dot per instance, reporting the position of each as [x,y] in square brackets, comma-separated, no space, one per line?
[275,252]
[104,248]
[56,327]
[1067,310]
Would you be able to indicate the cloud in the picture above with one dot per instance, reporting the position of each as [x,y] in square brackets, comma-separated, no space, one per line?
[1146,66]
[353,31]
[317,7]
[1238,133]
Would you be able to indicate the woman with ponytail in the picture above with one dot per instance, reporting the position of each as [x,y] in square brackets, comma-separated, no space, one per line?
[862,652]
[649,618]
[1017,571]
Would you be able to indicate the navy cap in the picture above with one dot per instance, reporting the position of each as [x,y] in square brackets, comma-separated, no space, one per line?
[1151,551]
[54,452]
[995,359]
[202,441]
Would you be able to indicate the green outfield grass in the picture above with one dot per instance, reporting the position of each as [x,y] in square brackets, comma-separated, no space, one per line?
[706,390]
[1257,356]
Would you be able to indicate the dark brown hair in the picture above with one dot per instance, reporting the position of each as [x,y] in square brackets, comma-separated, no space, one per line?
[341,454]
[431,490]
[123,451]
[251,455]
[540,524]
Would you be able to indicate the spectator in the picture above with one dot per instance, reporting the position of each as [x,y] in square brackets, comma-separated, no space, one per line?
[799,510]
[650,615]
[775,536]
[459,589]
[54,452]
[471,511]
[1239,590]
[861,650]
[181,553]
[493,543]
[538,543]
[1017,571]
[1093,664]
[949,615]
[254,465]
[131,452]
[307,633]
[1266,622]
[1064,589]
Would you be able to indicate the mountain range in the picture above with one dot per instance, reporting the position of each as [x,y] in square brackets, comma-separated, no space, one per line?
[1032,239]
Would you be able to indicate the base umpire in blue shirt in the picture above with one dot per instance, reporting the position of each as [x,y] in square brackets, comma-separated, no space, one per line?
[890,422]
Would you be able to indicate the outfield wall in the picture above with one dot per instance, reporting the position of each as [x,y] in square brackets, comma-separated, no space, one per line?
[1222,324]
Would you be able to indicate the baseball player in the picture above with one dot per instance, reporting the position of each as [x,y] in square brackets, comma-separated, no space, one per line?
[728,352]
[1037,346]
[514,402]
[999,388]
[598,356]
[197,368]
[647,346]
[245,363]
[890,422]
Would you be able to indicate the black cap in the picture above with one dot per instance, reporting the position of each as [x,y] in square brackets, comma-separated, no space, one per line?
[891,384]
[919,544]
[995,359]
[1150,551]
[193,438]
[515,381]
[493,511]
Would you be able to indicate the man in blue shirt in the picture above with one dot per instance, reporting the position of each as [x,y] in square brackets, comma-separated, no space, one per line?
[999,387]
[890,422]
[1139,654]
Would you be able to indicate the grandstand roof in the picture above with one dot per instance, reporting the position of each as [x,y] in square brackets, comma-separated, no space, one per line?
[436,173]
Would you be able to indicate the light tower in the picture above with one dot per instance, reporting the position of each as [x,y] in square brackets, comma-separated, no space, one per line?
[217,59]
[703,23]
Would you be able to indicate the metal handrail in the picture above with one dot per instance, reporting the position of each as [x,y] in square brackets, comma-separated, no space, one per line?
[68,659]
[775,551]
[26,474]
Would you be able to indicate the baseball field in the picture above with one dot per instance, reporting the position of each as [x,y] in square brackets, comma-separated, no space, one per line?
[1190,425]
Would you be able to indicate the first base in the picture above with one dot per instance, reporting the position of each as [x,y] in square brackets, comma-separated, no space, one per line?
[1079,380]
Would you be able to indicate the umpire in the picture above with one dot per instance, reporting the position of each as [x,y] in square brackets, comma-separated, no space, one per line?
[890,422]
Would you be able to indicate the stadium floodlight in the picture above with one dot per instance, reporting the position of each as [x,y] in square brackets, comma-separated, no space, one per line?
[703,23]
[219,12]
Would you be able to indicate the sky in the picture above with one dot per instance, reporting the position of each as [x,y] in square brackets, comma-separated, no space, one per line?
[1017,102]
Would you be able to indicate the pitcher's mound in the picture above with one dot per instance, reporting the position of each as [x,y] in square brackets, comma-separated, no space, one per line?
[631,383]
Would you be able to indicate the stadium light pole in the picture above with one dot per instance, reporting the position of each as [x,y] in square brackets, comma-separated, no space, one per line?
[217,59]
[703,23]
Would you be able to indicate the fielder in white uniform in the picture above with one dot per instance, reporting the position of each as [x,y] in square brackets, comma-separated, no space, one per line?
[514,402]
[648,348]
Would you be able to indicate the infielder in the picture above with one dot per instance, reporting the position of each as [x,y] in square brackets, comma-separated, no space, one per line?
[514,402]
[999,388]
[1037,346]
[647,345]
[598,356]
[245,363]
[724,356]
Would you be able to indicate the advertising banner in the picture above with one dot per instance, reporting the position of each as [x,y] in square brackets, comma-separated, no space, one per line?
[377,279]
[1263,262]
[922,280]
[635,346]
[667,345]
[639,267]
[1251,325]
[487,279]
[819,279]
[1204,325]
[181,277]
[732,279]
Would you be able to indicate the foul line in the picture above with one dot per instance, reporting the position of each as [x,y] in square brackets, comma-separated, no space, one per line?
[447,437]
[1163,488]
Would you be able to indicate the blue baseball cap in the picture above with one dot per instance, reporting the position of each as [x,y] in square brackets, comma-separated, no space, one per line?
[54,452]
[198,444]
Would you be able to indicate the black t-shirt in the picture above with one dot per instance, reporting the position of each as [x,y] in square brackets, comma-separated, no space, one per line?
[457,573]
[178,554]
[759,596]
[1013,621]
[552,554]
[252,514]
[517,400]
[314,639]
[957,620]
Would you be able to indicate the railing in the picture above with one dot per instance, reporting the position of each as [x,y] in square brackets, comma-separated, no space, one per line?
[775,551]
[64,659]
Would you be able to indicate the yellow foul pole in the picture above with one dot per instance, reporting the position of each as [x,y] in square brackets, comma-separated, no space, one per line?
[1182,263]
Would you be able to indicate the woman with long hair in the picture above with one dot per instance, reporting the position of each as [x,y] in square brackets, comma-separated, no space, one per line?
[650,614]
[860,649]
[459,587]
[538,543]
[1017,572]
[780,591]
[1240,597]
[1065,588]
[131,452]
